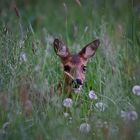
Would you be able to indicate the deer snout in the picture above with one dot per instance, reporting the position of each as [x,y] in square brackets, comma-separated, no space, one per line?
[77,83]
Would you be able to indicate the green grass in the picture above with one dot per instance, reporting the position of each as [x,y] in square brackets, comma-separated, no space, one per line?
[112,73]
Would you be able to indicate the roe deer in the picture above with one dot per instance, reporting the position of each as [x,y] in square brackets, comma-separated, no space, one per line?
[74,65]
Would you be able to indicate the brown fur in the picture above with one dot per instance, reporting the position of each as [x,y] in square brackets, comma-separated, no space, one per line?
[75,63]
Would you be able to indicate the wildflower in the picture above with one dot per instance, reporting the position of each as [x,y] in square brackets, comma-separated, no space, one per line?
[92,95]
[130,115]
[23,57]
[101,106]
[68,102]
[85,127]
[136,89]
[66,114]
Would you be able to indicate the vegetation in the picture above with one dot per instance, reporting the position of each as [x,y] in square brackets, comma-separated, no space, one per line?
[30,107]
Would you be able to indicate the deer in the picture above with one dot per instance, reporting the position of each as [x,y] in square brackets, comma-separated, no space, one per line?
[74,65]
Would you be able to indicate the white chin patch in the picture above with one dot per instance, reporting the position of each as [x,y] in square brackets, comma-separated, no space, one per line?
[77,90]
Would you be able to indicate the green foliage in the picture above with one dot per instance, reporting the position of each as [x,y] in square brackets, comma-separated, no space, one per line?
[28,65]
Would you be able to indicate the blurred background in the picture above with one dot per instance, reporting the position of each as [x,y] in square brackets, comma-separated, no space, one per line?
[30,72]
[70,18]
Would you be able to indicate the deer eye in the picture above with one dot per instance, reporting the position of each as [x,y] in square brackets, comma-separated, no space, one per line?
[84,68]
[67,68]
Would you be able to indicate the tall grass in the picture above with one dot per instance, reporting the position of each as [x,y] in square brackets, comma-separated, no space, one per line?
[30,107]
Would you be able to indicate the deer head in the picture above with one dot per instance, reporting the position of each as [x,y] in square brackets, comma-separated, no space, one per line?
[74,64]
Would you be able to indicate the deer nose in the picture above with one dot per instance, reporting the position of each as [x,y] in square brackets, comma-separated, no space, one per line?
[76,83]
[79,81]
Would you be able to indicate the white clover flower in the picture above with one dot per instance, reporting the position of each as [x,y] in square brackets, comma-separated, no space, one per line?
[101,106]
[67,102]
[130,115]
[92,95]
[66,114]
[85,127]
[23,57]
[136,89]
[133,115]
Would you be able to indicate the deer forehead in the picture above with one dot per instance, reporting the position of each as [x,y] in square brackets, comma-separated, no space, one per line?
[75,60]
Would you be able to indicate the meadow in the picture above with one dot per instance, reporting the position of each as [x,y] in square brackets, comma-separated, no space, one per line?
[31,109]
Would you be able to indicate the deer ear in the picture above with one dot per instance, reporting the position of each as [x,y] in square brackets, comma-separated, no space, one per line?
[60,49]
[90,49]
